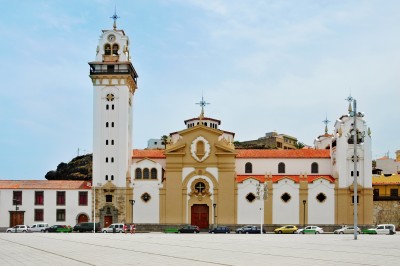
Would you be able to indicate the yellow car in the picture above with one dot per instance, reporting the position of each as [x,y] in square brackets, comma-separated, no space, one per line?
[287,229]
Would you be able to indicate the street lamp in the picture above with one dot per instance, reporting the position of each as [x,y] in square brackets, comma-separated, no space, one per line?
[304,213]
[262,194]
[215,214]
[132,202]
[16,210]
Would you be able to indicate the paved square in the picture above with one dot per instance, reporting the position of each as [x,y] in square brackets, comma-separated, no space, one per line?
[200,249]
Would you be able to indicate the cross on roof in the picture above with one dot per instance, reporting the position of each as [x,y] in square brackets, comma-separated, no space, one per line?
[326,122]
[202,103]
[350,99]
[115,17]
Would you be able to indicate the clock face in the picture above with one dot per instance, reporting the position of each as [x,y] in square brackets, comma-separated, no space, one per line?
[111,38]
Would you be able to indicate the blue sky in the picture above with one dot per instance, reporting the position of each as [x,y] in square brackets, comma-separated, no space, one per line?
[263,66]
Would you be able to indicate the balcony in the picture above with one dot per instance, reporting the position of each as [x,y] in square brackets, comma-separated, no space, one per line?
[386,198]
[112,70]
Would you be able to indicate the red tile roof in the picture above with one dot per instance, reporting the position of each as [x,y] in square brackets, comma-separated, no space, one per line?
[44,184]
[154,154]
[277,178]
[295,154]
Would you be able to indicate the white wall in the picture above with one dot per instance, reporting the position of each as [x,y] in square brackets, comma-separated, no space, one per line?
[248,212]
[285,212]
[321,212]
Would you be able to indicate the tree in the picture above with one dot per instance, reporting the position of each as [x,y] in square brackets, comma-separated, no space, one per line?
[164,139]
[300,145]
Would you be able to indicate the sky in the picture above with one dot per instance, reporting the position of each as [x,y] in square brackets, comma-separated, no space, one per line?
[263,66]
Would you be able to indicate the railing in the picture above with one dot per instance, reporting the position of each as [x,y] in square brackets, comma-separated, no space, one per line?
[130,71]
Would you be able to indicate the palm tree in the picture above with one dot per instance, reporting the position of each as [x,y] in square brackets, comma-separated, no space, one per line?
[164,139]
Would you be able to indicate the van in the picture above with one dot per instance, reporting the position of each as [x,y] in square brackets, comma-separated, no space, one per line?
[385,229]
[86,227]
[39,227]
[114,228]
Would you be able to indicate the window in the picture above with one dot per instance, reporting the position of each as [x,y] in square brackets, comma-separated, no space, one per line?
[17,197]
[352,173]
[321,197]
[248,168]
[39,215]
[112,142]
[146,197]
[107,107]
[107,49]
[60,197]
[112,106]
[281,168]
[112,177]
[106,159]
[106,124]
[250,197]
[83,198]
[115,49]
[108,198]
[394,192]
[112,124]
[200,187]
[60,216]
[153,173]
[352,199]
[106,177]
[146,173]
[314,168]
[39,197]
[286,197]
[106,141]
[376,192]
[112,159]
[138,173]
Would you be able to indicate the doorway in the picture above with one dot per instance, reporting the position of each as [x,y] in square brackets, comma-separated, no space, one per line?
[108,220]
[16,217]
[83,218]
[200,215]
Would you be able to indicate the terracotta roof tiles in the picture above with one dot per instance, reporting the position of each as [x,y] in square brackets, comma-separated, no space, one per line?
[44,184]
[295,154]
[154,154]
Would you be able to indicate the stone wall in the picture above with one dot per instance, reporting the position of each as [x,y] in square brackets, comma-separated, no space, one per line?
[387,212]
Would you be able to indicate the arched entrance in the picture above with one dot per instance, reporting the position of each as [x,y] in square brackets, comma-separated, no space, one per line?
[83,218]
[200,216]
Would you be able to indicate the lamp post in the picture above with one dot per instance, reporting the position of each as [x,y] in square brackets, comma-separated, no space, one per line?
[354,133]
[132,202]
[304,213]
[16,210]
[262,195]
[215,214]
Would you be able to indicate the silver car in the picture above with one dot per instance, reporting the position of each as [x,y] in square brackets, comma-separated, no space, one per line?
[117,228]
[347,230]
[19,229]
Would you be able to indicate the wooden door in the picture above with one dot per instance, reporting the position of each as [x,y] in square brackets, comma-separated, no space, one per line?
[16,218]
[200,213]
[83,218]
[107,221]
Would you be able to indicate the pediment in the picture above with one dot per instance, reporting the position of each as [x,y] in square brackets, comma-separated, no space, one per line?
[178,149]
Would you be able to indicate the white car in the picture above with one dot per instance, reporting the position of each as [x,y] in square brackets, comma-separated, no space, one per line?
[311,229]
[118,228]
[381,229]
[19,229]
[347,230]
[39,227]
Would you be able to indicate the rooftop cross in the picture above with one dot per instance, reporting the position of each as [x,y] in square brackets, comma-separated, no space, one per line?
[202,103]
[326,121]
[115,17]
[350,99]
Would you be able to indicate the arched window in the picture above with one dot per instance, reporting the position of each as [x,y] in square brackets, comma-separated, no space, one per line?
[281,168]
[107,49]
[115,49]
[314,168]
[112,124]
[106,124]
[106,159]
[107,106]
[153,173]
[112,177]
[138,173]
[106,177]
[146,173]
[112,159]
[248,168]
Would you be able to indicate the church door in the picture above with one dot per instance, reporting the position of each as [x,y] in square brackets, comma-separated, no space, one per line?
[107,220]
[83,218]
[200,215]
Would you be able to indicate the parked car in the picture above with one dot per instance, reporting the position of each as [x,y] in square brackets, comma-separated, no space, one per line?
[347,230]
[59,229]
[189,229]
[382,229]
[220,230]
[19,229]
[249,229]
[114,228]
[287,229]
[311,229]
[39,227]
[86,227]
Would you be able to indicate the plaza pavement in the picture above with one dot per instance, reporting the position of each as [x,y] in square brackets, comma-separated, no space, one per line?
[197,249]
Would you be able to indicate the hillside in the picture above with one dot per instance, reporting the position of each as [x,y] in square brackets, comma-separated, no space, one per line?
[79,168]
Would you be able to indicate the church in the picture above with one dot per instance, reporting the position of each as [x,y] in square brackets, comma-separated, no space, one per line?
[201,179]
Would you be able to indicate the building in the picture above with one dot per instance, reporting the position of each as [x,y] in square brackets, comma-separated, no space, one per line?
[386,199]
[271,140]
[388,166]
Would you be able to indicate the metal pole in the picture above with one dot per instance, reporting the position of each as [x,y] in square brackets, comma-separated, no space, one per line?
[355,167]
[304,213]
[94,210]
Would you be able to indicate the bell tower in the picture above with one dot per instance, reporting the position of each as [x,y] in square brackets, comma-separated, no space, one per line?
[114,82]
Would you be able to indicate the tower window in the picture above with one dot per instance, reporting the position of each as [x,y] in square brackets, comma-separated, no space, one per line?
[115,49]
[314,168]
[286,197]
[112,124]
[106,141]
[107,106]
[112,159]
[112,177]
[281,168]
[106,124]
[112,142]
[106,177]
[112,106]
[107,49]
[248,168]
[106,159]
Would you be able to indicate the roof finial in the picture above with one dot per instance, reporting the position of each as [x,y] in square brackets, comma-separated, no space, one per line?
[350,99]
[115,17]
[202,103]
[326,122]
